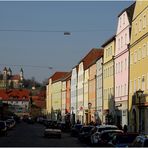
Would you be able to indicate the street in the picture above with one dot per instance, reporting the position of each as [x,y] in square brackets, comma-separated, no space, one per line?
[31,135]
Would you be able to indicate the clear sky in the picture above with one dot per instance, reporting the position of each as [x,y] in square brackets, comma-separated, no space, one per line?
[31,33]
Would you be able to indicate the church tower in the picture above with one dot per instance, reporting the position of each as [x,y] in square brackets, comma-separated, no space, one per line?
[21,74]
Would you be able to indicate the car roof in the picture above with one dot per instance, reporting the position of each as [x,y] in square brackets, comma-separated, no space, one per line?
[104,126]
[108,131]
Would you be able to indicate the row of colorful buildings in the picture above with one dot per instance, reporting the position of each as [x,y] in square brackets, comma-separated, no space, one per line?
[110,84]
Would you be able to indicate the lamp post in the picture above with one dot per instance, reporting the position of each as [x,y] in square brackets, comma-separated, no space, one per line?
[139,95]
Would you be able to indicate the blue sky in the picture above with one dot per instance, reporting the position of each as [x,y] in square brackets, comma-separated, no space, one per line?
[31,33]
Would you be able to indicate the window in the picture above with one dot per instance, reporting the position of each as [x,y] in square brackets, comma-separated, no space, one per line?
[118,44]
[116,91]
[125,39]
[144,51]
[111,50]
[121,66]
[119,91]
[135,56]
[108,72]
[121,42]
[118,67]
[140,25]
[124,89]
[125,63]
[139,54]
[144,21]
[143,82]
[136,28]
[139,83]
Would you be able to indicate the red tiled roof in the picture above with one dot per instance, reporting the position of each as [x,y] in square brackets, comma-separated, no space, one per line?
[92,56]
[15,93]
[67,76]
[58,75]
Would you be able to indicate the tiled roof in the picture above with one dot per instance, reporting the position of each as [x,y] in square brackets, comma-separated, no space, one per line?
[58,75]
[15,93]
[94,54]
[67,76]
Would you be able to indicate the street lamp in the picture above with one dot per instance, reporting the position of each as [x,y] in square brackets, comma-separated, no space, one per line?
[139,94]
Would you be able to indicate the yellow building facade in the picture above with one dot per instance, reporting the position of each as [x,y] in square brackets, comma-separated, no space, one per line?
[108,76]
[138,104]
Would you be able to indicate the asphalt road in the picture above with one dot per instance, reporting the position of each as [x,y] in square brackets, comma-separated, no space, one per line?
[31,135]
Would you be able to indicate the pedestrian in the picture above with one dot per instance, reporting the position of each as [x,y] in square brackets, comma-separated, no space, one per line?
[125,128]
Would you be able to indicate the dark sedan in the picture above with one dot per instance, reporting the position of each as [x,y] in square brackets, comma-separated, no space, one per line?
[84,134]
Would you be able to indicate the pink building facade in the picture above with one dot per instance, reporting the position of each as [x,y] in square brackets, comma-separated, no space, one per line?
[122,65]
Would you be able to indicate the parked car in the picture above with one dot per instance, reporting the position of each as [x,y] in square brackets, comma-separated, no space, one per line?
[3,128]
[51,132]
[140,141]
[84,134]
[98,129]
[106,136]
[122,140]
[76,129]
